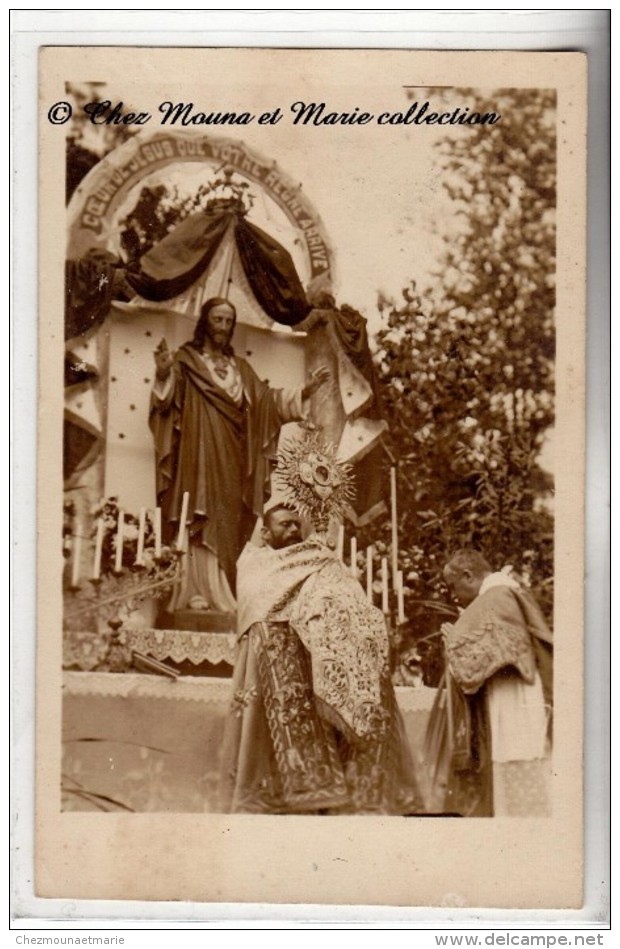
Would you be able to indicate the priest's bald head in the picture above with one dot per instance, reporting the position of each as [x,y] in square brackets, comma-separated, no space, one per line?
[464,574]
[281,526]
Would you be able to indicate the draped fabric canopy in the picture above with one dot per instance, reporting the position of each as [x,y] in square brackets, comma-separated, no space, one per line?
[183,257]
[177,271]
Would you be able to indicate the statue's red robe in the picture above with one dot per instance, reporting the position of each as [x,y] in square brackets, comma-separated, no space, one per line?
[219,451]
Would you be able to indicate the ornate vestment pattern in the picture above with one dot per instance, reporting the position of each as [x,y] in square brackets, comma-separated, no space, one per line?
[281,755]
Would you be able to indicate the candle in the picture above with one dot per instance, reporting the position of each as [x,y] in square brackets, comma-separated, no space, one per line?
[118,560]
[157,529]
[183,519]
[354,557]
[400,597]
[394,518]
[370,552]
[340,543]
[141,527]
[385,606]
[77,552]
[98,548]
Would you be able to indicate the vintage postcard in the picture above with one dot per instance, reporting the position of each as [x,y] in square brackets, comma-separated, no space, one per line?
[311,476]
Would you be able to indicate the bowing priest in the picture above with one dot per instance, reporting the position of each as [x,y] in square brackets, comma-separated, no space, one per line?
[500,675]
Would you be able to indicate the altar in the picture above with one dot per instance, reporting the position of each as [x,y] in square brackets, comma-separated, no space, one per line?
[138,509]
[147,743]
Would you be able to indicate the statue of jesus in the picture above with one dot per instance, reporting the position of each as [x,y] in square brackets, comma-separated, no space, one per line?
[216,427]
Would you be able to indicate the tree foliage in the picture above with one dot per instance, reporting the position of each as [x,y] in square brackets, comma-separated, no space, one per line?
[88,143]
[468,363]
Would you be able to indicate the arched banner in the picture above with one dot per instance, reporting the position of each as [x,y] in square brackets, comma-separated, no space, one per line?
[103,189]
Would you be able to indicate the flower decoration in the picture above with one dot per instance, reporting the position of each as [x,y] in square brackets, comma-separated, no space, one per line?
[108,510]
[68,518]
[312,480]
[123,581]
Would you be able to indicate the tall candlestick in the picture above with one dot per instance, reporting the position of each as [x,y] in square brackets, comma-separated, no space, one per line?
[385,603]
[183,519]
[120,532]
[370,552]
[340,543]
[77,553]
[354,557]
[157,530]
[400,598]
[394,518]
[141,527]
[98,549]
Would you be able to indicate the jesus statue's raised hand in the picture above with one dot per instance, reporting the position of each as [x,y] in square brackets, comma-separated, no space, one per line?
[315,380]
[163,360]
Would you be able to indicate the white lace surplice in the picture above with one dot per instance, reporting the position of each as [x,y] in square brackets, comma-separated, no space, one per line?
[494,650]
[518,718]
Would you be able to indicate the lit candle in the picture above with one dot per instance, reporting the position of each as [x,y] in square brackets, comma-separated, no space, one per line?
[394,518]
[183,519]
[354,557]
[157,529]
[370,552]
[98,549]
[77,553]
[141,528]
[385,605]
[120,529]
[340,543]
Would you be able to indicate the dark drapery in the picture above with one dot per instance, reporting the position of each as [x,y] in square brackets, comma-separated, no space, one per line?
[176,262]
[351,332]
[370,485]
[89,290]
[272,275]
[172,265]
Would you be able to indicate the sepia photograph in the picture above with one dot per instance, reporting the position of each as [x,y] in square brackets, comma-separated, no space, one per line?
[318,470]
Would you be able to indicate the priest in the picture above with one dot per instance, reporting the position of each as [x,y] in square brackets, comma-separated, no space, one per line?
[313,727]
[500,680]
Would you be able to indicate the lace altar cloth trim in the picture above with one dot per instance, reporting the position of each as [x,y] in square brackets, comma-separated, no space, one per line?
[124,685]
[180,645]
[85,650]
[196,689]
